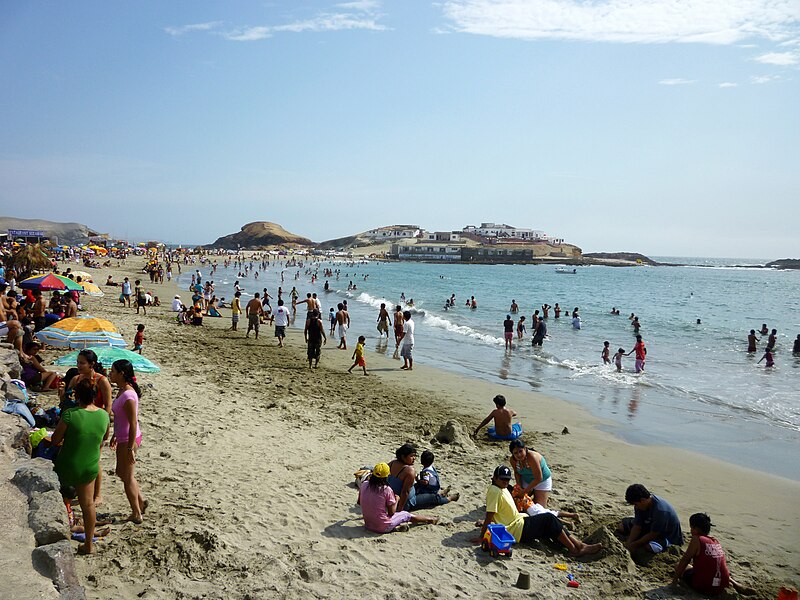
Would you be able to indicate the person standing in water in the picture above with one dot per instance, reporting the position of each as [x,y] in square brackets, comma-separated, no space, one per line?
[508,331]
[641,354]
[752,340]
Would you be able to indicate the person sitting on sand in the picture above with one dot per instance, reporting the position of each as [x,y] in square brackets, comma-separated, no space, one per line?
[502,415]
[428,481]
[379,504]
[500,508]
[655,525]
[34,374]
[531,472]
[709,574]
[82,430]
[402,477]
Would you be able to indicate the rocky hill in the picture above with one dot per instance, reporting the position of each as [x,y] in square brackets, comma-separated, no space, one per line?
[259,234]
[65,233]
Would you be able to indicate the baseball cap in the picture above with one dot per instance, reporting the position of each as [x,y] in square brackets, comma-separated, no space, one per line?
[381,470]
[503,472]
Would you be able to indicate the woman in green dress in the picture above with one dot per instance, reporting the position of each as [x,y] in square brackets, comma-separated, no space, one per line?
[82,430]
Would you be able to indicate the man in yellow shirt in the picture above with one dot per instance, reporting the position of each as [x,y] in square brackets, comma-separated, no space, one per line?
[500,508]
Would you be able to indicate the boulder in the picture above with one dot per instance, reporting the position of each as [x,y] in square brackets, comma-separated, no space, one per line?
[454,433]
[47,517]
[57,562]
[9,361]
[36,475]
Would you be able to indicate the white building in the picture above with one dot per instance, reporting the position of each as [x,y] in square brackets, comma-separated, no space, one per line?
[393,232]
[495,230]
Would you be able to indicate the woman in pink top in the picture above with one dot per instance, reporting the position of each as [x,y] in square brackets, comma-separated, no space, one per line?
[379,504]
[127,437]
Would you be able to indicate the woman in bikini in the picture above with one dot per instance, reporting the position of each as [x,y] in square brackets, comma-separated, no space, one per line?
[531,472]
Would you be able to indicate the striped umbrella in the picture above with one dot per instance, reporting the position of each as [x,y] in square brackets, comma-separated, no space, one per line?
[51,281]
[108,354]
[81,332]
[91,289]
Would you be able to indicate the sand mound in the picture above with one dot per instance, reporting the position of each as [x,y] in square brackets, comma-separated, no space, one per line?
[454,433]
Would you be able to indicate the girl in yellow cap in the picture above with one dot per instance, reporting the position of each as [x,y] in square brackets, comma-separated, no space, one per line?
[379,504]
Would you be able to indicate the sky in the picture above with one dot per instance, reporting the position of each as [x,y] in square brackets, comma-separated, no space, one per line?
[667,127]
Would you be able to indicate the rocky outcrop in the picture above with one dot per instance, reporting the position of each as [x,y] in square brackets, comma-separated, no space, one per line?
[631,257]
[65,233]
[259,234]
[784,263]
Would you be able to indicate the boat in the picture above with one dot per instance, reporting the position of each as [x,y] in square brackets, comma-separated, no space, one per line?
[565,271]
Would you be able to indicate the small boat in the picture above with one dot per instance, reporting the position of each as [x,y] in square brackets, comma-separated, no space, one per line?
[565,271]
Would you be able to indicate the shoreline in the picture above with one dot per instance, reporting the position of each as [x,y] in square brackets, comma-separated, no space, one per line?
[591,469]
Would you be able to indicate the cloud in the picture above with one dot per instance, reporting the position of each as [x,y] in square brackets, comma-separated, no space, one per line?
[676,81]
[783,59]
[761,79]
[179,31]
[355,15]
[361,5]
[628,21]
[728,84]
[248,34]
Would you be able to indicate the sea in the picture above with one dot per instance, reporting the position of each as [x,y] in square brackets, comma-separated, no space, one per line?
[701,390]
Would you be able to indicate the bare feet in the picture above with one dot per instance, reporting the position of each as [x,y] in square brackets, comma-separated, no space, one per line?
[144,506]
[135,519]
[403,527]
[577,518]
[586,549]
[85,548]
[454,497]
[98,501]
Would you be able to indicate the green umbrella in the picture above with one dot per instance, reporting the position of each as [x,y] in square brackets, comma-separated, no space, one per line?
[108,354]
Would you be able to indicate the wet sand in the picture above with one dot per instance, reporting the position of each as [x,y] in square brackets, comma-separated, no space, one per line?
[248,462]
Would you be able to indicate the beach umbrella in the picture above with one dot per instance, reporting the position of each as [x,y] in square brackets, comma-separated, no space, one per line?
[108,354]
[81,332]
[91,289]
[28,259]
[51,281]
[82,274]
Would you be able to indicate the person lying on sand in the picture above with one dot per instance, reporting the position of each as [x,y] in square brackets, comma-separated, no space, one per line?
[500,508]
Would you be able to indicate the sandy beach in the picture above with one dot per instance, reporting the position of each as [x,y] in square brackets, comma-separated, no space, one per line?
[248,462]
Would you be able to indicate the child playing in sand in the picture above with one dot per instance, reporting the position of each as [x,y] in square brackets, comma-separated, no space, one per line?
[428,481]
[503,429]
[358,356]
[605,353]
[618,359]
[709,573]
[768,356]
[138,340]
[525,504]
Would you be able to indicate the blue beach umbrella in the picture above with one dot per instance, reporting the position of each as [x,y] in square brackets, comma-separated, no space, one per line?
[108,354]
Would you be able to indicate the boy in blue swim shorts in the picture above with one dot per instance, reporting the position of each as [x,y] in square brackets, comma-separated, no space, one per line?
[503,428]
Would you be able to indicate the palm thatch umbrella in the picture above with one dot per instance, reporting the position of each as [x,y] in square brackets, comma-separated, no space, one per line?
[28,259]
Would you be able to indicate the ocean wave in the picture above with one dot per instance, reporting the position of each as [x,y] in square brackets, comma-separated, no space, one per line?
[441,323]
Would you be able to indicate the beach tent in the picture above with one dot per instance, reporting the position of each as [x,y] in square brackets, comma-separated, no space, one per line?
[108,354]
[81,332]
[51,281]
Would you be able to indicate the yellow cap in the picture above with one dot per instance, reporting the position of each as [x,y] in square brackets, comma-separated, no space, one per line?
[381,470]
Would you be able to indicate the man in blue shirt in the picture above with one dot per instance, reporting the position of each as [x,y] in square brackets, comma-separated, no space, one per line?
[655,525]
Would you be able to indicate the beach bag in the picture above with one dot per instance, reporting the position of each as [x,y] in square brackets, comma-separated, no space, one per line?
[122,298]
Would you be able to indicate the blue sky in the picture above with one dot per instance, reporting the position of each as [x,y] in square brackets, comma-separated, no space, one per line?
[664,127]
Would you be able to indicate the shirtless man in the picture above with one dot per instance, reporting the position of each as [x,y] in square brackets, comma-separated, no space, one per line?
[310,305]
[72,307]
[342,323]
[751,341]
[502,418]
[253,310]
[383,321]
[398,324]
[557,311]
[39,311]
[514,306]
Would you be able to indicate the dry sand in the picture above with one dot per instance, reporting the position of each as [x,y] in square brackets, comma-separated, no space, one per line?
[248,462]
